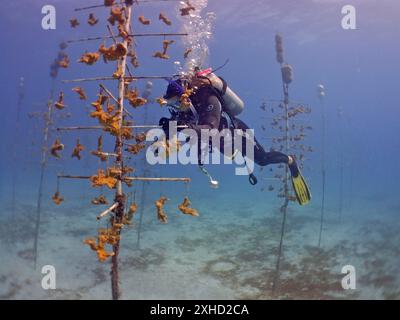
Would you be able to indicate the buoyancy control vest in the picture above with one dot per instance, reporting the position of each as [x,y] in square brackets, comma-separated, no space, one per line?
[230,101]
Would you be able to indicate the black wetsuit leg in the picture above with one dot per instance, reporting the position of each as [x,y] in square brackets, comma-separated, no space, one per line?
[261,157]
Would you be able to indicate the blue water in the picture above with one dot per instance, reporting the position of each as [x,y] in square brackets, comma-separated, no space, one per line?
[230,250]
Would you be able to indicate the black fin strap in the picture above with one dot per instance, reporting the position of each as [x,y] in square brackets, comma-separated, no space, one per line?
[252,179]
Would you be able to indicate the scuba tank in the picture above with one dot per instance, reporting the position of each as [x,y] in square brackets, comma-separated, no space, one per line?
[232,104]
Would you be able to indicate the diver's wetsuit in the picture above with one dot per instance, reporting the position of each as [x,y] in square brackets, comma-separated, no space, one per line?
[209,109]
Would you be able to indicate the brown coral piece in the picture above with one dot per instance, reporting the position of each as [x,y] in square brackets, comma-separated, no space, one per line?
[133,98]
[135,148]
[166,44]
[187,52]
[164,19]
[134,59]
[131,212]
[74,22]
[122,32]
[76,153]
[99,247]
[56,147]
[102,180]
[92,20]
[160,55]
[80,92]
[184,208]
[89,58]
[104,255]
[99,200]
[186,10]
[160,209]
[144,21]
[60,102]
[184,98]
[64,62]
[118,73]
[114,52]
[57,199]
[116,15]
[140,137]
[161,101]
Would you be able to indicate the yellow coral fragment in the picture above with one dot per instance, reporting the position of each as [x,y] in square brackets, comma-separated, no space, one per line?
[102,180]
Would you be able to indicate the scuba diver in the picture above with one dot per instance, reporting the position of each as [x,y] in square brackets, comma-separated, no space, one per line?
[204,101]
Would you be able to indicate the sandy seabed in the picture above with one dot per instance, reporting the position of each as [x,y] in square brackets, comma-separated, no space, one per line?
[225,253]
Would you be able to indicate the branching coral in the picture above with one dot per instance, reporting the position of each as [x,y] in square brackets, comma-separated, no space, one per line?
[64,62]
[184,99]
[166,44]
[116,15]
[74,22]
[160,55]
[110,122]
[109,235]
[144,21]
[98,245]
[161,101]
[89,58]
[80,92]
[133,98]
[160,209]
[60,102]
[123,32]
[92,20]
[77,150]
[135,148]
[140,137]
[164,19]
[56,198]
[101,179]
[132,210]
[163,54]
[56,147]
[184,208]
[118,73]
[185,11]
[99,200]
[187,52]
[114,52]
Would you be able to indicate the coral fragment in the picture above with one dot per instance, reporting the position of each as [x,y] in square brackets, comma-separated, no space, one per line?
[160,209]
[184,208]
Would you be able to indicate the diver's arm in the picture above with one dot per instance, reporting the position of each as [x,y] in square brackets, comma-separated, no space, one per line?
[209,115]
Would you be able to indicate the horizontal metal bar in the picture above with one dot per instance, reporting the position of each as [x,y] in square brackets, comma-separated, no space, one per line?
[157,179]
[112,78]
[130,178]
[101,127]
[136,1]
[134,35]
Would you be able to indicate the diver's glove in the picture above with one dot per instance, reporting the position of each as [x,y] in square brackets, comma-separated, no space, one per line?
[164,123]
